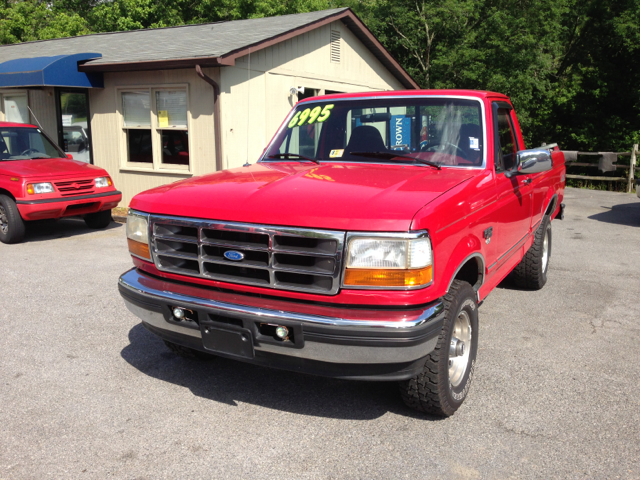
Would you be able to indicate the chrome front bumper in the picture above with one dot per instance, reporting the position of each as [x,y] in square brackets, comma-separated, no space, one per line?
[331,340]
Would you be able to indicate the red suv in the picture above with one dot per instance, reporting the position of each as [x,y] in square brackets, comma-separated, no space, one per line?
[39,181]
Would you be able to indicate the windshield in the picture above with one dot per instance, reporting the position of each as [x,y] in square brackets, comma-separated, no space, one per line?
[26,143]
[445,131]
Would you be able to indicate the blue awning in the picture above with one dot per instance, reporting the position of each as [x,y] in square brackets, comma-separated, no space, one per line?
[57,71]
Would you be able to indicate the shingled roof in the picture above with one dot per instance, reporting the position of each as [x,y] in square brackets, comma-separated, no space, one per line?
[209,44]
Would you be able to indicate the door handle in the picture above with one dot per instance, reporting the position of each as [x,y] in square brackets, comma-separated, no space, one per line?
[526,181]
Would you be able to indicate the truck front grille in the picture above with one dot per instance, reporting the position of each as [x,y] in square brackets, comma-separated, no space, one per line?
[284,258]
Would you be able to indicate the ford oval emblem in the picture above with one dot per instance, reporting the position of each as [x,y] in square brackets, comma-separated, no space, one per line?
[234,255]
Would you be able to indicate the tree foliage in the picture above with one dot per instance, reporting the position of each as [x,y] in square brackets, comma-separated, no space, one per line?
[569,66]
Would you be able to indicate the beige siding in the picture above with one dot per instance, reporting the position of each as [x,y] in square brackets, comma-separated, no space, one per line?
[302,61]
[43,105]
[109,149]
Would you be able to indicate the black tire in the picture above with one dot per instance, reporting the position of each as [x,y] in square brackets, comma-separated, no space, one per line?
[434,390]
[531,272]
[186,352]
[11,223]
[99,219]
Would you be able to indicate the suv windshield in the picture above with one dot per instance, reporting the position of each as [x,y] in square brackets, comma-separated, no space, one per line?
[445,131]
[26,143]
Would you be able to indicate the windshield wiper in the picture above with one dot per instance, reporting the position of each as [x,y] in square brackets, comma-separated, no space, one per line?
[294,156]
[390,156]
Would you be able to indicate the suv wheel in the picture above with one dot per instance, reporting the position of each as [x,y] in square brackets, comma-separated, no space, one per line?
[11,223]
[98,219]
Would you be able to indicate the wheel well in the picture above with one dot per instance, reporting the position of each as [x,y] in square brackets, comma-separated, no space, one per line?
[552,206]
[472,272]
[7,193]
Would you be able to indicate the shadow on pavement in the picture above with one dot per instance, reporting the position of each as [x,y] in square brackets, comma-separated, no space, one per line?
[43,230]
[227,381]
[624,214]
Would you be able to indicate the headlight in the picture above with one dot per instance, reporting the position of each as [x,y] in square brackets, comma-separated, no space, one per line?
[388,262]
[138,234]
[35,188]
[102,182]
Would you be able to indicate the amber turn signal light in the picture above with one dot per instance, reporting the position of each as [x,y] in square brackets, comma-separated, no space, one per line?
[139,249]
[362,277]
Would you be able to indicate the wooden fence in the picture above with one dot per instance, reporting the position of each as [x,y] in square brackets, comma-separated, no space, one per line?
[631,166]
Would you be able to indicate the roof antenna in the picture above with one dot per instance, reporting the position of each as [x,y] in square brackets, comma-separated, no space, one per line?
[34,117]
[246,164]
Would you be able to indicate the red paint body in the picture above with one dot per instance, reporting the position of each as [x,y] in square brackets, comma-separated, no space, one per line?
[455,205]
[16,174]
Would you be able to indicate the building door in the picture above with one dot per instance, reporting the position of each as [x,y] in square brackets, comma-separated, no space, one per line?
[74,126]
[15,107]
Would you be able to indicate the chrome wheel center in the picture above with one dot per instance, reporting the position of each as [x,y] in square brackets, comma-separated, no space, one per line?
[4,221]
[545,251]
[459,348]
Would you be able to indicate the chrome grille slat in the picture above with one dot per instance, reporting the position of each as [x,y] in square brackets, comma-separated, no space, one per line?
[285,258]
[236,245]
[178,238]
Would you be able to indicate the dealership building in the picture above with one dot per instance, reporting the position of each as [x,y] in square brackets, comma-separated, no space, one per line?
[159,105]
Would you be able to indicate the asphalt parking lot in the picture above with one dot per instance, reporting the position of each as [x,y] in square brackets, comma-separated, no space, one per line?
[86,392]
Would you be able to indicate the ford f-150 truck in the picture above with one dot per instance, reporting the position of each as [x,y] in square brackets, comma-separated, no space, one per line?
[38,181]
[359,246]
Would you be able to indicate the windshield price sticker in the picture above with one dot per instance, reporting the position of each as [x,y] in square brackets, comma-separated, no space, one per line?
[311,116]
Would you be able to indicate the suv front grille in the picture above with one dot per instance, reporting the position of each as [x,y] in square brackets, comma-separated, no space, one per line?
[75,187]
[285,258]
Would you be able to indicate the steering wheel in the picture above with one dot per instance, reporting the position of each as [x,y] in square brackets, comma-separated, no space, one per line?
[440,147]
[29,150]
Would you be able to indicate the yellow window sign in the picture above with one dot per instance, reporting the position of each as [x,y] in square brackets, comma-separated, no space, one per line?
[336,153]
[163,118]
[317,115]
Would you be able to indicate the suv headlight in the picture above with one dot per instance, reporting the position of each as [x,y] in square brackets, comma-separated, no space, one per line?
[388,262]
[138,234]
[36,188]
[102,182]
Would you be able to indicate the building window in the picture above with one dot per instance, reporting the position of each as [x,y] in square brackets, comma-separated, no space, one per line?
[155,125]
[15,108]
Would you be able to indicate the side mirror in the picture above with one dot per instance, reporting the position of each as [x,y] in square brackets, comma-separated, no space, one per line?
[69,156]
[532,161]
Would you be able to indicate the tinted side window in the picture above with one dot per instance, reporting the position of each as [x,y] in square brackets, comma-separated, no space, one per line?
[506,144]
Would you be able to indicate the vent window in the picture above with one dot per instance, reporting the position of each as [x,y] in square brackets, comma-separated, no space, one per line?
[335,46]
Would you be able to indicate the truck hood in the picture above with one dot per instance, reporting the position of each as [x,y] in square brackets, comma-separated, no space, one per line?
[367,197]
[49,168]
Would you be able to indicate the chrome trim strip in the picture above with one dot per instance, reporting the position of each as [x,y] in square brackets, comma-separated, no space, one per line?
[386,97]
[130,281]
[518,244]
[480,270]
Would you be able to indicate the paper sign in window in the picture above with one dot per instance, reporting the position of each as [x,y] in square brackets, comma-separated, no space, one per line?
[474,143]
[163,118]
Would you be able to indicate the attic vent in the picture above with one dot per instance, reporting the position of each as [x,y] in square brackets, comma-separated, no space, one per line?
[335,46]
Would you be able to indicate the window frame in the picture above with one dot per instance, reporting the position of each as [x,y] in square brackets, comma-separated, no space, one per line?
[155,130]
[498,164]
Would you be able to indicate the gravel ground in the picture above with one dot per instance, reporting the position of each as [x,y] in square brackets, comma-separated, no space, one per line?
[88,393]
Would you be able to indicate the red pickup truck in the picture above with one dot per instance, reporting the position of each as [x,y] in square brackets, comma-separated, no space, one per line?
[38,181]
[359,246]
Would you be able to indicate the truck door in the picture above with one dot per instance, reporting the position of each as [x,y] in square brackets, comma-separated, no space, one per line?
[513,211]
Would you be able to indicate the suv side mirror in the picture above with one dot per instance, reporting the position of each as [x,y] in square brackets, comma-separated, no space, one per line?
[532,161]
